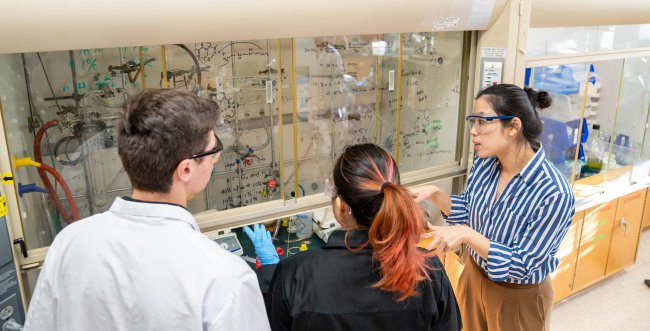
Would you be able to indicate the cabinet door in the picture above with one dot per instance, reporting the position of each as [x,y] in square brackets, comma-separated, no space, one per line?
[646,212]
[594,244]
[625,233]
[454,268]
[567,253]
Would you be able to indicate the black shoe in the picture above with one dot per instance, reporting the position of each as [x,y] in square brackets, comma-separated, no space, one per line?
[647,282]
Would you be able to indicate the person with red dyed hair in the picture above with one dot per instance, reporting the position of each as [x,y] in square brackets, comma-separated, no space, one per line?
[370,275]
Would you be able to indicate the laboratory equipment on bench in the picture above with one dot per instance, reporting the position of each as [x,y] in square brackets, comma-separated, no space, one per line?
[595,147]
[228,240]
[324,223]
[301,225]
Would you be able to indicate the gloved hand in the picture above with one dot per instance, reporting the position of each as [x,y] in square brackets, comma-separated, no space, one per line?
[264,248]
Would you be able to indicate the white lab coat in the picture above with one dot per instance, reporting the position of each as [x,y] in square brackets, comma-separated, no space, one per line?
[143,266]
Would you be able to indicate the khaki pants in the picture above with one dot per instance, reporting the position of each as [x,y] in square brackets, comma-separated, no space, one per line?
[488,305]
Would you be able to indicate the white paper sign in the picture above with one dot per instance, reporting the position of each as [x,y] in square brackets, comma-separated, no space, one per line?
[441,23]
[492,72]
[494,52]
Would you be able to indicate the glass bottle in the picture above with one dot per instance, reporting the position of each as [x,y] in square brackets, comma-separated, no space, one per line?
[595,149]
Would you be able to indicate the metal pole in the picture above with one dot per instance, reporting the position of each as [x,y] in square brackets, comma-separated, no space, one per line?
[84,146]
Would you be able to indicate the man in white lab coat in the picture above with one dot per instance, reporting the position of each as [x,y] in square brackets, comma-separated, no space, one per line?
[143,264]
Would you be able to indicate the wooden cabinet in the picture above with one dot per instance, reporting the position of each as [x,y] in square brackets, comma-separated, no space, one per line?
[625,232]
[609,240]
[562,277]
[594,244]
[454,268]
[600,242]
[646,211]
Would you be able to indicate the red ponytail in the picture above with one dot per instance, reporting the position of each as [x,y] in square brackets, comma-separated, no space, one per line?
[367,179]
[394,235]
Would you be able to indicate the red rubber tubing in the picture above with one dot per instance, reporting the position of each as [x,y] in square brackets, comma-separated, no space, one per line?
[46,181]
[64,186]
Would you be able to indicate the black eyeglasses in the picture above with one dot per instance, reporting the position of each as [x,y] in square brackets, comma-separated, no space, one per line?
[213,151]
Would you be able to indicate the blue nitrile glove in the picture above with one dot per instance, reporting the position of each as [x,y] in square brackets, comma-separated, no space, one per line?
[264,248]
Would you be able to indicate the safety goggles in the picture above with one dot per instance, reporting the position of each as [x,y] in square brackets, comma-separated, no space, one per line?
[479,122]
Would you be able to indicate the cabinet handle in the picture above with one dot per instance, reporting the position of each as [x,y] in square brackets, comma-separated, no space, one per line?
[623,222]
[23,246]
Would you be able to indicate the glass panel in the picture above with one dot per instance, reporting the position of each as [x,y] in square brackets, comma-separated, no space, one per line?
[67,103]
[571,40]
[642,165]
[582,145]
[60,108]
[600,116]
[71,102]
[431,69]
[338,88]
[631,124]
[563,120]
[17,114]
[607,76]
[236,75]
[389,93]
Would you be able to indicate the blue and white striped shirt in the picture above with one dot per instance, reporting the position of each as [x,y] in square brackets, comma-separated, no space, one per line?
[525,225]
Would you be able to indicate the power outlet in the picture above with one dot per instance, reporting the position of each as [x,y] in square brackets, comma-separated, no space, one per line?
[6,312]
[10,309]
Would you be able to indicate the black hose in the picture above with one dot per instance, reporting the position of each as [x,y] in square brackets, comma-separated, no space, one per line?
[65,140]
[197,67]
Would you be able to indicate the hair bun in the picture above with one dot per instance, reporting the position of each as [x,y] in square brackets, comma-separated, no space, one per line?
[544,99]
[539,100]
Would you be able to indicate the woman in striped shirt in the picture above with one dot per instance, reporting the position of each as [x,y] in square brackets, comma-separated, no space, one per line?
[513,215]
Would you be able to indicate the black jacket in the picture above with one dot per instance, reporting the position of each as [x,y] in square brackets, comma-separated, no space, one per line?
[330,289]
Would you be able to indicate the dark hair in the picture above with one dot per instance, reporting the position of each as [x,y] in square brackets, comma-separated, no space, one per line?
[512,100]
[157,130]
[367,179]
